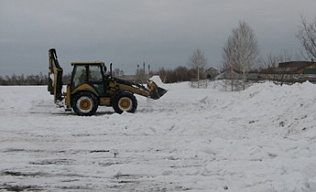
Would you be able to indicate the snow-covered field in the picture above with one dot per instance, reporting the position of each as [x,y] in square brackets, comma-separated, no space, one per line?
[262,139]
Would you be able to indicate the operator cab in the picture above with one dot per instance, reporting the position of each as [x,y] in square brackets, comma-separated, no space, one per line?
[89,73]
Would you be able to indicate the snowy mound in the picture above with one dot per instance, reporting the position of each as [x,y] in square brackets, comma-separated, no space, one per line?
[259,139]
[157,80]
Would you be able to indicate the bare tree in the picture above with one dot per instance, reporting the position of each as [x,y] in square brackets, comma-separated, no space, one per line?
[183,74]
[269,66]
[272,61]
[198,62]
[307,37]
[179,74]
[241,51]
[118,72]
[268,62]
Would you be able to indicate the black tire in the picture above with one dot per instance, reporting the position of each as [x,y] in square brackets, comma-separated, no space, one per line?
[85,103]
[124,101]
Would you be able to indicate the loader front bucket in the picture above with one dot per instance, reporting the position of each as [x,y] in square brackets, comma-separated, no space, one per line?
[155,91]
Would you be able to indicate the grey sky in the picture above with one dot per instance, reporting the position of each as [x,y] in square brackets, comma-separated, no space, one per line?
[161,33]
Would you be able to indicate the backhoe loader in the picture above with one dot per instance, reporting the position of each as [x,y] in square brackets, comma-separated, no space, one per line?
[91,87]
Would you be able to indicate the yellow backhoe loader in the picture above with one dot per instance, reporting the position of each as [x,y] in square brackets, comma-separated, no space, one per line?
[91,87]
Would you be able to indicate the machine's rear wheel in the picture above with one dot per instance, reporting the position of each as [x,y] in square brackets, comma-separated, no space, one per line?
[125,101]
[85,104]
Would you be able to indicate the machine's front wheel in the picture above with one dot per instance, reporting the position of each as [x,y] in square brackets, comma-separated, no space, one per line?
[85,103]
[125,101]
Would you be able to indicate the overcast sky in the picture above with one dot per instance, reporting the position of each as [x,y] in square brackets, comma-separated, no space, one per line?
[161,33]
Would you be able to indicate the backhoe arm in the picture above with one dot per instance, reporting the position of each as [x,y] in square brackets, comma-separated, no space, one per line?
[55,76]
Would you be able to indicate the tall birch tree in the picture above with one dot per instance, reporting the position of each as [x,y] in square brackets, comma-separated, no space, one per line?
[198,63]
[240,52]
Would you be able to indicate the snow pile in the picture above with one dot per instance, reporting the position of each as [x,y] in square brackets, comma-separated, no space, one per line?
[157,80]
[260,139]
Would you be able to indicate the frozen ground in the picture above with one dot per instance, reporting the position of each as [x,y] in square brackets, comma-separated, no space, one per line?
[262,139]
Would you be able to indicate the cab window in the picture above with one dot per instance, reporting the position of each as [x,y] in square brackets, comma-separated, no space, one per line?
[80,75]
[95,74]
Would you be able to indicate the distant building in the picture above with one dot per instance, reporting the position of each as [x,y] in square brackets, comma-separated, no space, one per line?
[291,72]
[298,67]
[211,73]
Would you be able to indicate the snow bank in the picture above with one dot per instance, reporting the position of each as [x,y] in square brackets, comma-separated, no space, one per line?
[157,80]
[260,139]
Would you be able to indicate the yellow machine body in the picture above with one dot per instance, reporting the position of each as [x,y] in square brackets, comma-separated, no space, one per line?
[91,87]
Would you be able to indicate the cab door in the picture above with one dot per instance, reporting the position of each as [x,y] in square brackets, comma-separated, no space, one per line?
[79,76]
[95,79]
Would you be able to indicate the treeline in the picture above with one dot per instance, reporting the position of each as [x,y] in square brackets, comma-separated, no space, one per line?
[178,74]
[29,79]
[167,76]
[24,79]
